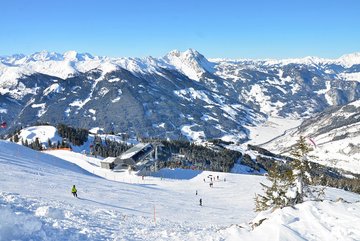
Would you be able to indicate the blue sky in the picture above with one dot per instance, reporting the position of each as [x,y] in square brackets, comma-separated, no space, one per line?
[227,28]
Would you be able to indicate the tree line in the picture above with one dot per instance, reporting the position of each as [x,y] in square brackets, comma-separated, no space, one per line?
[77,136]
[107,148]
[211,158]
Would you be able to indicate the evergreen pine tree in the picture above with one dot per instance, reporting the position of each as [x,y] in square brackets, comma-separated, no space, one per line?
[274,194]
[301,185]
[289,187]
[36,145]
[49,143]
[16,138]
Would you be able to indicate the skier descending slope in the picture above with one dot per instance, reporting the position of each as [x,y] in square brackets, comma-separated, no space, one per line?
[74,191]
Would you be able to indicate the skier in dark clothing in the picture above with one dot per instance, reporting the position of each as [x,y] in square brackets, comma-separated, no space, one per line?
[200,202]
[196,192]
[74,191]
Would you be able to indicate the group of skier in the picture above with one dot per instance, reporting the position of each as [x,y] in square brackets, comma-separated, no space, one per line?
[74,190]
[211,184]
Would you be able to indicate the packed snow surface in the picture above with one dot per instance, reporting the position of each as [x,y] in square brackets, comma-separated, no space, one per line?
[36,204]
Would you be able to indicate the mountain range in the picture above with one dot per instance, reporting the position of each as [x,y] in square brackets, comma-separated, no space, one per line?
[180,95]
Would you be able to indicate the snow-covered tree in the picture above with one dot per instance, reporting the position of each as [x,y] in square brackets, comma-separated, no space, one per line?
[275,194]
[292,186]
[301,187]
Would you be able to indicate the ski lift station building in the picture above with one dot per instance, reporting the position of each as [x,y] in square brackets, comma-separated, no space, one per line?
[129,158]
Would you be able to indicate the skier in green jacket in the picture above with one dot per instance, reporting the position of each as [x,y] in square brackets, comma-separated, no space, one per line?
[74,191]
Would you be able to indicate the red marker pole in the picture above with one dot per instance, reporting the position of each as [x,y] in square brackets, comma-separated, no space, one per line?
[154,215]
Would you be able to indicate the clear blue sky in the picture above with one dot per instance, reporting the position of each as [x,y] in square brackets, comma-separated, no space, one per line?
[226,28]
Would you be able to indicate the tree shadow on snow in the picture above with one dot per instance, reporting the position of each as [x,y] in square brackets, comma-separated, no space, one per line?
[111,205]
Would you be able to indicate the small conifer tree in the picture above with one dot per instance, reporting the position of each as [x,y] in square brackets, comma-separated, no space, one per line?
[275,194]
[289,187]
[301,185]
[49,143]
[16,138]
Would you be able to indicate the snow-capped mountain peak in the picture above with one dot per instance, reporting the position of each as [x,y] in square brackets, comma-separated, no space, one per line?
[190,62]
[173,53]
[192,53]
[349,60]
[43,56]
[70,55]
[75,56]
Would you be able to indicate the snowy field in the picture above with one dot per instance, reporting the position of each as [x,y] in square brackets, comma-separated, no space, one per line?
[36,204]
[270,129]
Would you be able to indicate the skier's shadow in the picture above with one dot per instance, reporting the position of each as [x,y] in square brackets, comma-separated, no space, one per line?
[111,205]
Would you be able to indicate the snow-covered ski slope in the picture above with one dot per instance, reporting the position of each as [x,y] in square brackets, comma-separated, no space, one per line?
[36,204]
